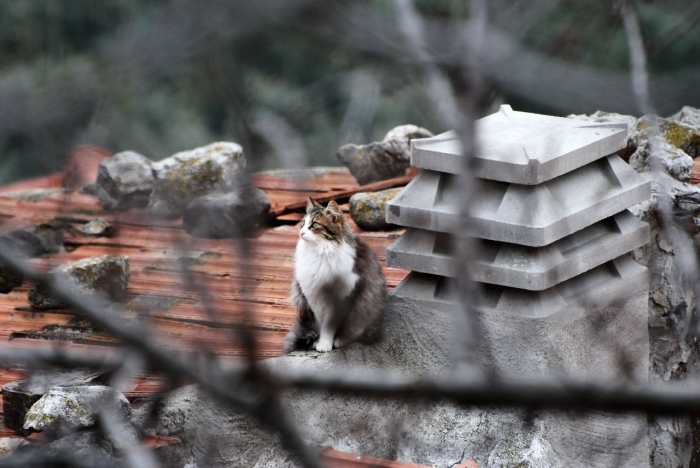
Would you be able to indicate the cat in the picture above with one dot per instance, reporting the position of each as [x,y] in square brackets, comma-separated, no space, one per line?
[339,290]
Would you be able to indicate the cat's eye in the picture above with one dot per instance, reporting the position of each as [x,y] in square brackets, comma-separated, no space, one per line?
[315,224]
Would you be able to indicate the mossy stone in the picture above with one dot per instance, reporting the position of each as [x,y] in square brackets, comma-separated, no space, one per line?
[179,179]
[368,209]
[103,275]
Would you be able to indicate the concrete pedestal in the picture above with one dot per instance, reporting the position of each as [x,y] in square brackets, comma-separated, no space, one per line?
[560,294]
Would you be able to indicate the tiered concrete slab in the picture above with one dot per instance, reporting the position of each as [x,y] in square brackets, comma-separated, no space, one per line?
[534,215]
[536,148]
[517,266]
[592,290]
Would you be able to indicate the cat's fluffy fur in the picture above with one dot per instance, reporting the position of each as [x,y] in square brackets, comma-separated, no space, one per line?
[339,289]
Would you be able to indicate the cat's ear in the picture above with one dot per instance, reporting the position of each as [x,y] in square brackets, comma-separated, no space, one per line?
[311,205]
[333,208]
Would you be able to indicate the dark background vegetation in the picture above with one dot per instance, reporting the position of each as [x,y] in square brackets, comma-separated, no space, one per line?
[160,76]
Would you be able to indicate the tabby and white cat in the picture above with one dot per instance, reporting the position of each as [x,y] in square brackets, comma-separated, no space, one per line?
[339,289]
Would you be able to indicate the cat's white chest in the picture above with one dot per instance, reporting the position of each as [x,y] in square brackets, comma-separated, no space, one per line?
[317,265]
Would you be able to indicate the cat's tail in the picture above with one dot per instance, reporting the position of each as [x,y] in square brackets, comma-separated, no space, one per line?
[304,334]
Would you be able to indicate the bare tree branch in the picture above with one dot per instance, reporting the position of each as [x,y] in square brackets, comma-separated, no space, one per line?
[638,60]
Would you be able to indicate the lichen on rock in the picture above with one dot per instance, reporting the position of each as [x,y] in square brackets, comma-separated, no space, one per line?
[679,134]
[657,154]
[97,228]
[10,444]
[19,396]
[124,181]
[73,407]
[670,143]
[215,168]
[368,209]
[382,160]
[103,275]
[689,116]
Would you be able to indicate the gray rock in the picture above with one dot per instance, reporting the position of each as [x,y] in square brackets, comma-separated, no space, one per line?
[98,228]
[382,160]
[44,238]
[368,209]
[19,396]
[179,179]
[102,275]
[9,444]
[672,305]
[679,134]
[124,181]
[87,447]
[682,130]
[73,407]
[226,215]
[689,116]
[657,154]
[9,278]
[405,133]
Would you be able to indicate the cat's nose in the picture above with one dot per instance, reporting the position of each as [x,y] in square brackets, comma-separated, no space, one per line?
[301,234]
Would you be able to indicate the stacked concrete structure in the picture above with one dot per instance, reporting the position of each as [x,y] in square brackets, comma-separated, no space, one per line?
[560,293]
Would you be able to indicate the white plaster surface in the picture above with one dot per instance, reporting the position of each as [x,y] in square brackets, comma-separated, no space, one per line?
[522,148]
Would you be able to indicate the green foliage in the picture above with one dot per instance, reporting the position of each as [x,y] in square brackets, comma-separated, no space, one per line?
[590,32]
[70,75]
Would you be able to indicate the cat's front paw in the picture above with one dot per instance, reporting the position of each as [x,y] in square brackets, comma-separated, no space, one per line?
[324,346]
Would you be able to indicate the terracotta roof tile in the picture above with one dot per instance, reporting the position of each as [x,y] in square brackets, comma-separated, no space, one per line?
[251,288]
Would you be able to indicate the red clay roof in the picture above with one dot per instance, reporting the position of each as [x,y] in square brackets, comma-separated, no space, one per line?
[260,287]
[257,285]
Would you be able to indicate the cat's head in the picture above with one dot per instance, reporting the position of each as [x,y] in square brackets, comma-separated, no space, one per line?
[324,224]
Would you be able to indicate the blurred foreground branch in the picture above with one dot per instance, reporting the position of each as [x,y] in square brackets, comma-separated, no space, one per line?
[469,390]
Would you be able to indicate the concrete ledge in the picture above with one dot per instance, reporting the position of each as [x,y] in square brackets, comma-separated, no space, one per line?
[520,214]
[593,289]
[512,265]
[420,341]
[522,148]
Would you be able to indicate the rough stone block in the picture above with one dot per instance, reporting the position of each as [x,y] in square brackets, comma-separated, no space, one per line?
[74,407]
[226,215]
[516,266]
[19,396]
[103,275]
[601,285]
[523,148]
[520,214]
[215,168]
